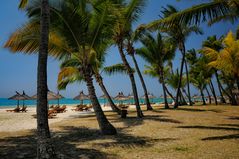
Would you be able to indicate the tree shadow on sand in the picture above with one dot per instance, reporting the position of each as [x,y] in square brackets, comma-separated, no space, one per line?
[229,127]
[199,110]
[70,143]
[134,121]
[24,147]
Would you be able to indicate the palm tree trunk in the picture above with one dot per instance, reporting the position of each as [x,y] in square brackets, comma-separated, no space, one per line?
[102,86]
[105,126]
[132,80]
[181,74]
[170,94]
[209,96]
[45,148]
[164,90]
[183,101]
[237,81]
[143,83]
[188,84]
[219,87]
[202,94]
[213,91]
[233,98]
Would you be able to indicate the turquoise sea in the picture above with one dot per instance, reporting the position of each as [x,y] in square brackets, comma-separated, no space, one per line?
[13,103]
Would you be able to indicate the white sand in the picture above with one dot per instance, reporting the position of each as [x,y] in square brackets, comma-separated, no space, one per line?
[10,121]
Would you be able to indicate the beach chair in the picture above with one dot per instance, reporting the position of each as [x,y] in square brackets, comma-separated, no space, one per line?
[61,109]
[24,109]
[16,110]
[79,108]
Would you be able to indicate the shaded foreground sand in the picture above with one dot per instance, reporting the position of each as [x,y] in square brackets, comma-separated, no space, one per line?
[189,132]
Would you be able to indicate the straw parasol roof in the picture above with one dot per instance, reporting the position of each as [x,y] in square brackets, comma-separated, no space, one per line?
[19,96]
[121,96]
[103,97]
[81,97]
[50,96]
[131,96]
[151,96]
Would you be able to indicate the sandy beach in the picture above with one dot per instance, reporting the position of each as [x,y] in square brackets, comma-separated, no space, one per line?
[10,121]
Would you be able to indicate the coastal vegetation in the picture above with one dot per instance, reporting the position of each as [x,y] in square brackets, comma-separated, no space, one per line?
[78,34]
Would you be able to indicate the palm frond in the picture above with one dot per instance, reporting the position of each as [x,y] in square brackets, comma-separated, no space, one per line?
[117,68]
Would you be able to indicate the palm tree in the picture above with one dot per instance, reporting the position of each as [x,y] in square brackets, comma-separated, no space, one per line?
[156,51]
[131,51]
[198,81]
[77,31]
[211,12]
[126,14]
[216,44]
[172,80]
[45,148]
[226,60]
[70,74]
[180,32]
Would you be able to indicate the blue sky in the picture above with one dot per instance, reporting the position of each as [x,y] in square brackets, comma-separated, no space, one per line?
[18,71]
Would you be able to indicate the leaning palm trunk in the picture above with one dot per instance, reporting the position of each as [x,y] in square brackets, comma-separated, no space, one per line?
[105,126]
[143,83]
[188,86]
[102,86]
[219,87]
[131,76]
[164,89]
[213,91]
[233,99]
[202,94]
[209,96]
[44,145]
[170,94]
[182,49]
[182,99]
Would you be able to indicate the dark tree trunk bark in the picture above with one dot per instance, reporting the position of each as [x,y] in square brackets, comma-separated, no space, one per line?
[105,126]
[143,83]
[233,98]
[164,91]
[188,86]
[237,80]
[132,80]
[203,99]
[219,87]
[183,101]
[209,96]
[213,91]
[170,94]
[182,49]
[102,86]
[45,149]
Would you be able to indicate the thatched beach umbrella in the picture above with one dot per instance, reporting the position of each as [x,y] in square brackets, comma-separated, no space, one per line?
[121,97]
[25,97]
[19,97]
[104,97]
[131,98]
[150,96]
[81,97]
[51,96]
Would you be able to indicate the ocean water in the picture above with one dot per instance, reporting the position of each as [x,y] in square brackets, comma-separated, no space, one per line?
[13,103]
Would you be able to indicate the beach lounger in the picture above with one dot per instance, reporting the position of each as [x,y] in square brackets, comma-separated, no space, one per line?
[17,109]
[60,109]
[79,108]
[51,114]
[24,109]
